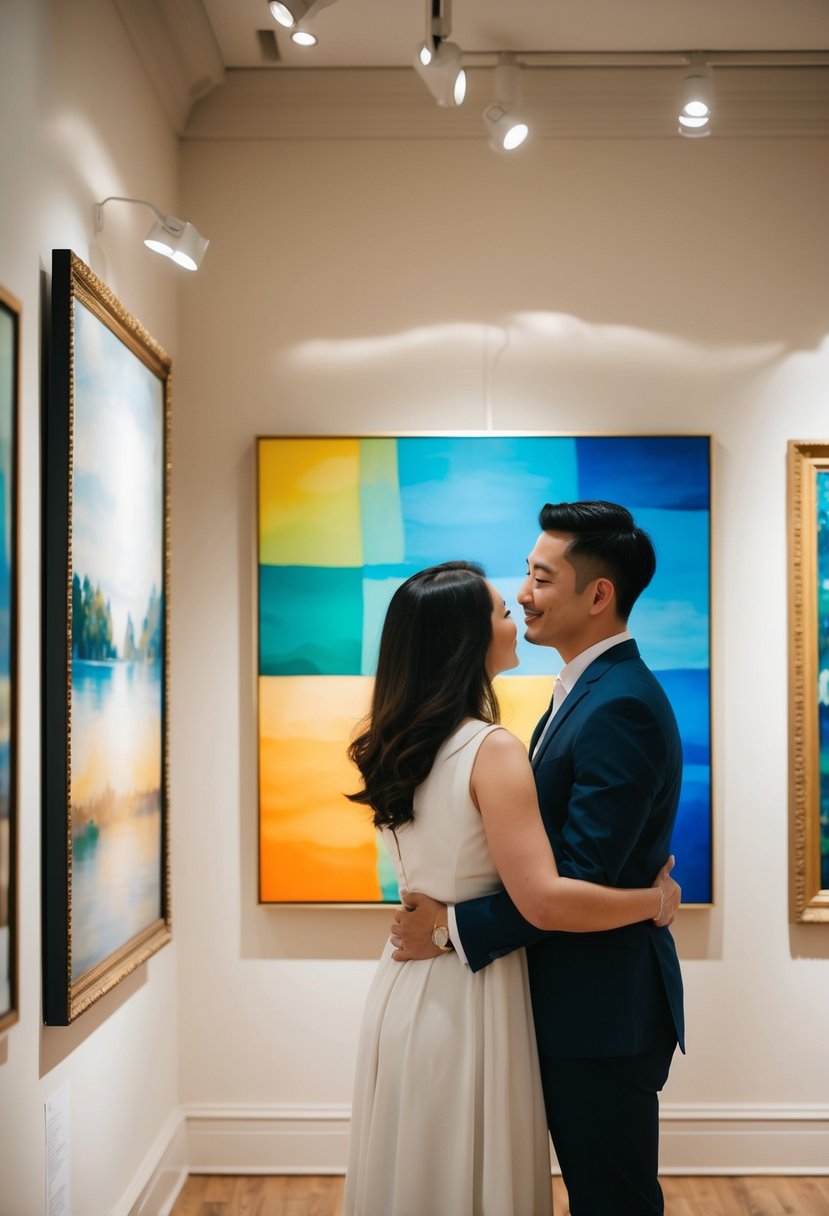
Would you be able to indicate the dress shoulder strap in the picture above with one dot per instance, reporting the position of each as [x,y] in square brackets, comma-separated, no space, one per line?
[474,732]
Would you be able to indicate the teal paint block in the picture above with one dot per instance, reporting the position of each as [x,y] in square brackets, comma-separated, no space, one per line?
[310,621]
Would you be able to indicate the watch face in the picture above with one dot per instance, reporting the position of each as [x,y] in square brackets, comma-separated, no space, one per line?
[440,935]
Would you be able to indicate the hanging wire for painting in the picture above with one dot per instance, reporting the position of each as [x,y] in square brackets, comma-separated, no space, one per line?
[489,369]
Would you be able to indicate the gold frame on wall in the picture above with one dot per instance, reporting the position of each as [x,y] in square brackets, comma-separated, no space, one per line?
[77,294]
[9,466]
[809,900]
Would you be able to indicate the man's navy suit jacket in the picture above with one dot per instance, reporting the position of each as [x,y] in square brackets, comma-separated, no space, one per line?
[608,774]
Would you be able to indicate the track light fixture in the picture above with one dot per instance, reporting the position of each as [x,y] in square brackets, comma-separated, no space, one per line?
[438,62]
[292,13]
[173,238]
[505,128]
[695,100]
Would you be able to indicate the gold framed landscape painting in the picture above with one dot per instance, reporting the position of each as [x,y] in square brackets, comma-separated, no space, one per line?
[343,521]
[809,680]
[9,398]
[106,885]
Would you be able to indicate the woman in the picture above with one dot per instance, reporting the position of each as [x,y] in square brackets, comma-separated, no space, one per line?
[448,1118]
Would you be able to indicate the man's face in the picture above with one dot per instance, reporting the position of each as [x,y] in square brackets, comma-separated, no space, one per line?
[555,613]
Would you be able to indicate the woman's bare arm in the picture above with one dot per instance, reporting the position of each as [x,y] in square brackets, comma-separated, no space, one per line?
[504,791]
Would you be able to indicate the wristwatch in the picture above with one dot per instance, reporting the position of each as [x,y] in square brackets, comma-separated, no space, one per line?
[440,938]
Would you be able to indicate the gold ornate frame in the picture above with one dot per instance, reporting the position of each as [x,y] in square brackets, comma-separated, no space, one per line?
[11,307]
[64,999]
[809,902]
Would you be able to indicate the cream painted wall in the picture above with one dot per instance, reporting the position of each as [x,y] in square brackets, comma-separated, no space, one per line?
[79,122]
[651,286]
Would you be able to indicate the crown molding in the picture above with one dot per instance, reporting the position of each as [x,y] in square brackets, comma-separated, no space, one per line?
[175,44]
[595,102]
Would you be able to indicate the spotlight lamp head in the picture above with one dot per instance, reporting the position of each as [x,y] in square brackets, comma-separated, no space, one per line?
[288,13]
[506,132]
[695,102]
[438,61]
[173,238]
[504,126]
[439,67]
[177,240]
[291,13]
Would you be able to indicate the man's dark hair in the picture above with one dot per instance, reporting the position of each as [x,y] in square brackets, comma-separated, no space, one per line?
[606,543]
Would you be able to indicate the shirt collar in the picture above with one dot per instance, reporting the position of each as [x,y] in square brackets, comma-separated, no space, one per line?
[572,670]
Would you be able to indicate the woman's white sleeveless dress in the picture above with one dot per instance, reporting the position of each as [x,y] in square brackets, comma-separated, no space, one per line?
[448,1117]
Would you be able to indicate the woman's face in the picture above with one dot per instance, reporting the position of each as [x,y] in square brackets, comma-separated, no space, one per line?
[501,655]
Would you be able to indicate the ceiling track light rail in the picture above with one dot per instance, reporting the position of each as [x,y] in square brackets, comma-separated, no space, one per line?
[696,95]
[652,59]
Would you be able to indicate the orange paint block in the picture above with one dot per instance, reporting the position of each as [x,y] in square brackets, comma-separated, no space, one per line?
[315,845]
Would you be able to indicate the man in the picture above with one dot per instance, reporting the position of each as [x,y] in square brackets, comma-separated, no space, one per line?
[607,761]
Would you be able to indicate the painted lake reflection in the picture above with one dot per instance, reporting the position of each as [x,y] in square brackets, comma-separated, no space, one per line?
[116,806]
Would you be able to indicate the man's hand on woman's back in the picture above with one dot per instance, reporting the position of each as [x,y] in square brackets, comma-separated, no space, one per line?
[411,930]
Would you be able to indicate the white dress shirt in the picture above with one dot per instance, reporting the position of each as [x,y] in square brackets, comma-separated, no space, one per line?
[566,678]
[564,684]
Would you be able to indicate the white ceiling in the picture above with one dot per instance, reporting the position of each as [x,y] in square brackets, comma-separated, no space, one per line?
[385,33]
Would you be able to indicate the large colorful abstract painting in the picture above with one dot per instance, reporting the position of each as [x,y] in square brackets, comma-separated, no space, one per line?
[809,679]
[106,872]
[9,395]
[343,521]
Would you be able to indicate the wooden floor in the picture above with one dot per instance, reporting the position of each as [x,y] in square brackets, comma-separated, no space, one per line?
[301,1196]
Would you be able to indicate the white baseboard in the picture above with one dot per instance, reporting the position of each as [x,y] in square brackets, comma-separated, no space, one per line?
[709,1138]
[744,1138]
[221,1138]
[268,1139]
[161,1175]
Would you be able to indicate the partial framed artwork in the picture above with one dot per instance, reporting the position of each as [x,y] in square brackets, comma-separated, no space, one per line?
[9,414]
[809,680]
[106,876]
[343,521]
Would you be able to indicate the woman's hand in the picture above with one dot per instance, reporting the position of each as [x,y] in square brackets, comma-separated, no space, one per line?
[671,893]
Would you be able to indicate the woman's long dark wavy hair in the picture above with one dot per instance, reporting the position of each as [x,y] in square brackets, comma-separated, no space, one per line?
[431,675]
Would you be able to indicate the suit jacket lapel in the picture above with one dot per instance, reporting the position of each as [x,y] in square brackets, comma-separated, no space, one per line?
[542,722]
[616,654]
[570,702]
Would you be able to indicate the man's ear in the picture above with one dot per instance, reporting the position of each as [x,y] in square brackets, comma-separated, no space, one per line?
[604,597]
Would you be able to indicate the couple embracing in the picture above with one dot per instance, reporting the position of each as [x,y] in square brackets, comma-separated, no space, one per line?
[531,980]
